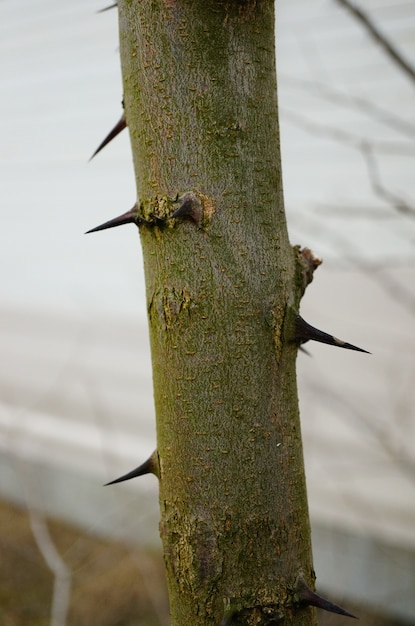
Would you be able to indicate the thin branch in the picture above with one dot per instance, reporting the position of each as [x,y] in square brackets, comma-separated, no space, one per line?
[355,103]
[152,594]
[342,211]
[367,148]
[381,433]
[373,266]
[344,137]
[400,294]
[396,290]
[380,38]
[62,580]
[62,574]
[379,189]
[54,561]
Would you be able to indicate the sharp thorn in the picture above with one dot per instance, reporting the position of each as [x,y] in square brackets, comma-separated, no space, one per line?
[118,128]
[309,598]
[111,6]
[190,207]
[305,332]
[150,466]
[130,217]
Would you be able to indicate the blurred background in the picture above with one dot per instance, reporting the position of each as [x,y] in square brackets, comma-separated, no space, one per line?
[76,407]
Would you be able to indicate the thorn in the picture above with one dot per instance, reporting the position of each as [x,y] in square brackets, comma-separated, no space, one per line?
[111,6]
[131,217]
[305,332]
[118,128]
[190,207]
[309,598]
[148,467]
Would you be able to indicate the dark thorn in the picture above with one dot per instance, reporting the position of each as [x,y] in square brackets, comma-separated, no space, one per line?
[148,467]
[111,6]
[118,128]
[305,332]
[190,207]
[302,349]
[130,217]
[308,597]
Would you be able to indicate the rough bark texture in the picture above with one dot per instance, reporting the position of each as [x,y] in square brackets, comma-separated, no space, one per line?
[201,107]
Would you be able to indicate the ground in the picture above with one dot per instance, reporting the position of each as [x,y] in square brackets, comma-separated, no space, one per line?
[112,584]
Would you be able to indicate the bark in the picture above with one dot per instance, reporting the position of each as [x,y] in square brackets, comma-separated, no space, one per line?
[221,279]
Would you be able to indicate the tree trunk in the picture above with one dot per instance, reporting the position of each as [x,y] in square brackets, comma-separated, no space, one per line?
[222,280]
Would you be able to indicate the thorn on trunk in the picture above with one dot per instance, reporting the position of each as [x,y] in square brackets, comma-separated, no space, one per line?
[131,217]
[305,332]
[307,597]
[118,128]
[111,6]
[150,466]
[190,208]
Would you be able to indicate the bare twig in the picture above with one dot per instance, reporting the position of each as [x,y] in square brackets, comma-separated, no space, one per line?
[357,103]
[346,138]
[379,37]
[348,257]
[62,574]
[152,594]
[54,561]
[344,211]
[380,190]
[379,432]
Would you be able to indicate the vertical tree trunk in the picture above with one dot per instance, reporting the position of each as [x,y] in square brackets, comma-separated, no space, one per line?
[201,106]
